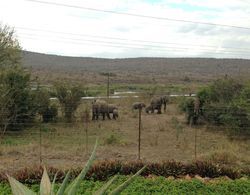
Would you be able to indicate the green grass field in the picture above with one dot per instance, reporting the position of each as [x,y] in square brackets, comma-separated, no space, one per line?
[161,185]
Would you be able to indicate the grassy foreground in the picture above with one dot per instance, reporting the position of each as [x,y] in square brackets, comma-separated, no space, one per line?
[161,185]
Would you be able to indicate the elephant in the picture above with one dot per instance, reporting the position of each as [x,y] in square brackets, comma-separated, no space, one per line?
[112,109]
[148,109]
[101,107]
[165,100]
[115,114]
[138,105]
[98,107]
[157,102]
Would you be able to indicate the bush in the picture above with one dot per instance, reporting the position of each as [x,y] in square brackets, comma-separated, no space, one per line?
[105,169]
[69,98]
[225,102]
[112,139]
[18,105]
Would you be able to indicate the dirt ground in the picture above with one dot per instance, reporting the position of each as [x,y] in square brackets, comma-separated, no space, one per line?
[164,137]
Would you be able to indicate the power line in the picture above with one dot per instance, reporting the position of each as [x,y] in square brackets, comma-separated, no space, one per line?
[138,15]
[121,45]
[134,40]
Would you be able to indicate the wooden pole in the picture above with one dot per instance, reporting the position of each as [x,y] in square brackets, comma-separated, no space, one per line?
[87,139]
[86,119]
[40,146]
[195,143]
[108,86]
[139,136]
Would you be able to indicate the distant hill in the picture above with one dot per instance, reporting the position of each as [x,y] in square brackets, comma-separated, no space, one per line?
[135,70]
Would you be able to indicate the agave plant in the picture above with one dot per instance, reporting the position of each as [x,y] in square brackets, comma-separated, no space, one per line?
[48,188]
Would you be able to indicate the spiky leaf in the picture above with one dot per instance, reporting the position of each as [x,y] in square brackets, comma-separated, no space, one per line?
[121,187]
[64,184]
[45,186]
[71,189]
[18,188]
[52,190]
[105,187]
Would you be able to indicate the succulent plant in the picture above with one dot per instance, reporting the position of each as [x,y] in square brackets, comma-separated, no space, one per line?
[48,188]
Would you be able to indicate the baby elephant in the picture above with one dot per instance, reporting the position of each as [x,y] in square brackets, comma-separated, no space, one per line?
[115,114]
[138,105]
[112,109]
[149,109]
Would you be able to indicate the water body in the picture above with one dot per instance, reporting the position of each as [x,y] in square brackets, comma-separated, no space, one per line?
[119,95]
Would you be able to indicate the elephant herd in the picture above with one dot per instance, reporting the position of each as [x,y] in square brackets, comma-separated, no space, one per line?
[103,109]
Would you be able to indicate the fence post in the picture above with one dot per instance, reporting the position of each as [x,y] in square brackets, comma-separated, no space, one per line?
[40,145]
[195,143]
[108,86]
[86,118]
[139,136]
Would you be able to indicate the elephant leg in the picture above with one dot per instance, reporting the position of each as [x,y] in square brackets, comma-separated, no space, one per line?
[93,116]
[159,110]
[108,115]
[103,116]
[165,107]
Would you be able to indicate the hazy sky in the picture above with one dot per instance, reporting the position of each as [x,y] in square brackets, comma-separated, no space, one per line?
[75,31]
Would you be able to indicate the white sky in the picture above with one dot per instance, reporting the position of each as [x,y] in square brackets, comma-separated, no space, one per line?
[67,31]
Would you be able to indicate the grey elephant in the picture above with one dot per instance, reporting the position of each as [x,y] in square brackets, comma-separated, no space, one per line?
[112,109]
[138,105]
[115,114]
[165,100]
[101,107]
[98,107]
[157,102]
[148,109]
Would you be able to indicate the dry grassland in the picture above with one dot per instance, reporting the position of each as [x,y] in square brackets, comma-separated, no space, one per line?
[164,137]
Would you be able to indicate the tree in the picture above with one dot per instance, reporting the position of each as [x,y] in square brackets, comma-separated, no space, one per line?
[10,50]
[20,109]
[69,98]
[47,110]
[17,100]
[226,102]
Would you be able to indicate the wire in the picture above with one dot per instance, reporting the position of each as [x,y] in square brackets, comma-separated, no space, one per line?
[130,45]
[134,40]
[138,15]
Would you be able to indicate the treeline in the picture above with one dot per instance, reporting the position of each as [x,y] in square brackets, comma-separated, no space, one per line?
[225,102]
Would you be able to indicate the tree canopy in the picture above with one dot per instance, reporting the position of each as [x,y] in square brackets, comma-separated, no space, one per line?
[10,50]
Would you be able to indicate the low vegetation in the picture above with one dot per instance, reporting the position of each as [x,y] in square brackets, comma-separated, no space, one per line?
[103,170]
[160,185]
[223,103]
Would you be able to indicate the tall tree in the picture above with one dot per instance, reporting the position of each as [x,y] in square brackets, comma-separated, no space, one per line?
[10,50]
[17,100]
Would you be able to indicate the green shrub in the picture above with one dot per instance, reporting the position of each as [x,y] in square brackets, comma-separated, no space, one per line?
[161,185]
[69,98]
[225,102]
[112,139]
